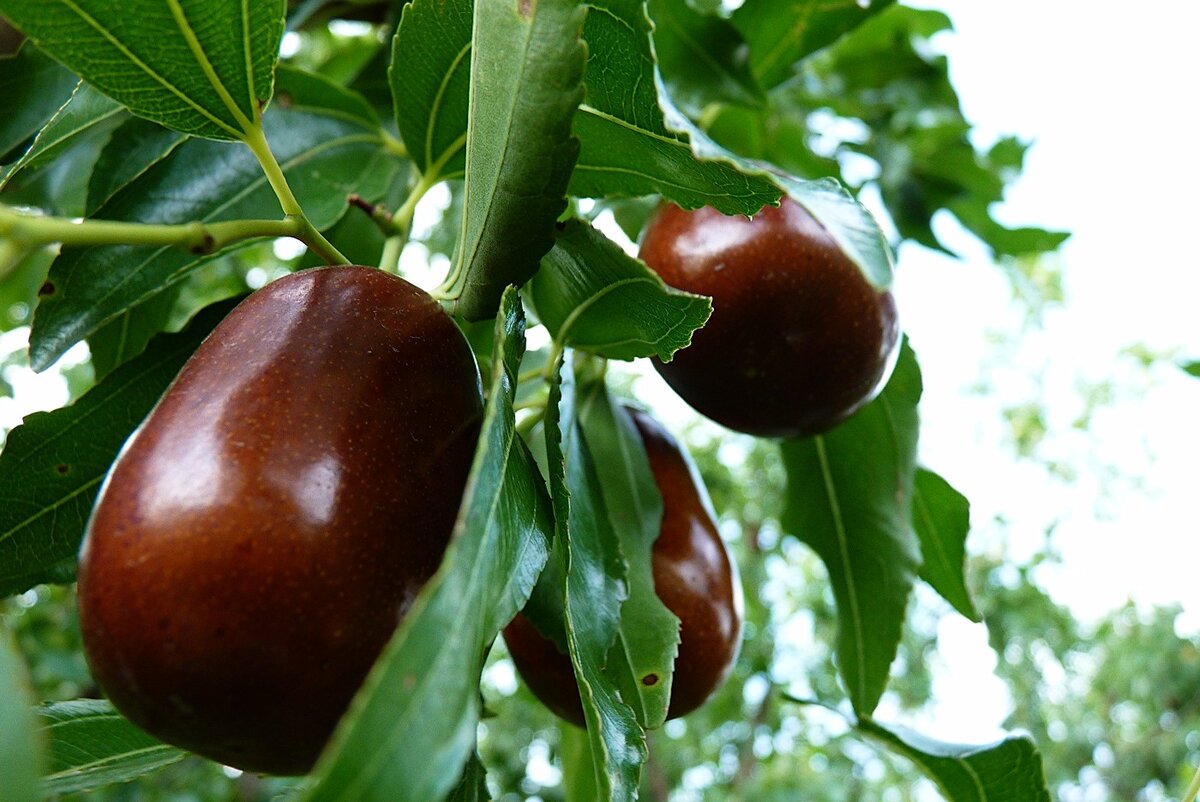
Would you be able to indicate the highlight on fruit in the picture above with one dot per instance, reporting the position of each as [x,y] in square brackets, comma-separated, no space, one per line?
[267,527]
[799,340]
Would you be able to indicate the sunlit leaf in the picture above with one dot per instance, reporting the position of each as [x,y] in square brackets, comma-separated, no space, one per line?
[941,518]
[595,297]
[849,497]
[202,67]
[1009,770]
[430,78]
[591,576]
[526,82]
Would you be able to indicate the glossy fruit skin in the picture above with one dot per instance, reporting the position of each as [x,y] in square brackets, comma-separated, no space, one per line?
[798,340]
[261,535]
[694,577]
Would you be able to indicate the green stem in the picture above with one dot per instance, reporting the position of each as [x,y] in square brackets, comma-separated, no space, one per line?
[256,140]
[29,230]
[1193,788]
[401,223]
[392,247]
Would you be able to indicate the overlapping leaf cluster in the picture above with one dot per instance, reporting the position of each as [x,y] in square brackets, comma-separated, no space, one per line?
[138,112]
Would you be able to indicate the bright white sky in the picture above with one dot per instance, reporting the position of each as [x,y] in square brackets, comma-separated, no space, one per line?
[1107,93]
[1109,100]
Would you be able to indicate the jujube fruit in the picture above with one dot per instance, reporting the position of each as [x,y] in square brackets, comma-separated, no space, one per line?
[263,532]
[799,339]
[693,576]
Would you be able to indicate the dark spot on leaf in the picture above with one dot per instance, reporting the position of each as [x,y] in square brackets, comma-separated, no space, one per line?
[47,289]
[284,100]
[62,469]
[525,8]
[650,679]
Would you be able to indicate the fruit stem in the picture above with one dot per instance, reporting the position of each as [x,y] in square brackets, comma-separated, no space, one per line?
[23,230]
[401,223]
[307,233]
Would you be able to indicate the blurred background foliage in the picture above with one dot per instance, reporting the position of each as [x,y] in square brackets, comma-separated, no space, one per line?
[1113,704]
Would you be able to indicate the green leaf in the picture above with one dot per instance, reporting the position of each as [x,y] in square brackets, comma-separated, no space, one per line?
[472,786]
[1005,240]
[849,497]
[412,726]
[703,58]
[619,159]
[85,110]
[325,158]
[1192,368]
[941,518]
[594,297]
[579,770]
[125,337]
[526,83]
[430,76]
[591,588]
[92,745]
[782,32]
[648,639]
[52,465]
[135,147]
[300,89]
[626,147]
[1009,770]
[203,67]
[34,87]
[20,746]
[59,186]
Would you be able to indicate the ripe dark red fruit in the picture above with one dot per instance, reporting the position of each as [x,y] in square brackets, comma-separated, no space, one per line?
[693,576]
[798,340]
[263,532]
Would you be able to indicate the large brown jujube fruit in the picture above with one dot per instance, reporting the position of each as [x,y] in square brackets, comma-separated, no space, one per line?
[799,339]
[264,531]
[693,576]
